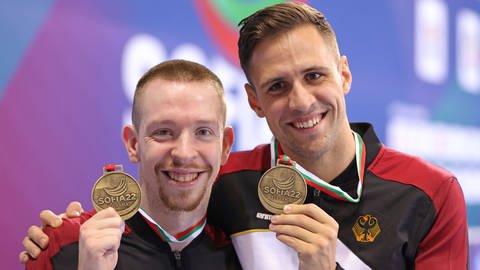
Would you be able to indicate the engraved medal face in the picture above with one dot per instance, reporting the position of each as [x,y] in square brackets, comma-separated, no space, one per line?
[279,186]
[118,190]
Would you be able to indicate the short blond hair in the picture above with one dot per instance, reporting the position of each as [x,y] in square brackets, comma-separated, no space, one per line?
[179,71]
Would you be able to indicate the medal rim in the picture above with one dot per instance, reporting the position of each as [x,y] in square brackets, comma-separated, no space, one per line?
[264,200]
[135,206]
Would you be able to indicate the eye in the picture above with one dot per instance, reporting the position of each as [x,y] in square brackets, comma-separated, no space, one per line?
[277,86]
[161,133]
[204,132]
[313,76]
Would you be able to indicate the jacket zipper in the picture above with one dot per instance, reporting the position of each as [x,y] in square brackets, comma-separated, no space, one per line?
[178,259]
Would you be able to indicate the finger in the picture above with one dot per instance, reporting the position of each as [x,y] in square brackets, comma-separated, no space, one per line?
[296,244]
[105,239]
[74,209]
[31,248]
[107,213]
[23,257]
[48,218]
[103,236]
[101,224]
[301,221]
[311,210]
[321,233]
[309,245]
[305,222]
[107,218]
[36,239]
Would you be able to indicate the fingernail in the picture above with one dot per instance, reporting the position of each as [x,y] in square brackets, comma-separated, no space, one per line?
[33,254]
[274,218]
[122,227]
[57,222]
[287,208]
[43,242]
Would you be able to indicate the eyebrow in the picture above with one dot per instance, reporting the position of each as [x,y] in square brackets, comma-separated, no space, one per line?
[321,69]
[270,81]
[168,122]
[208,122]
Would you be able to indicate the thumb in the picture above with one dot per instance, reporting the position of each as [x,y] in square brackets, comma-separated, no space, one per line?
[74,209]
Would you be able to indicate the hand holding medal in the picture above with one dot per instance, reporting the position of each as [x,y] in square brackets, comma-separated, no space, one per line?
[116,189]
[306,228]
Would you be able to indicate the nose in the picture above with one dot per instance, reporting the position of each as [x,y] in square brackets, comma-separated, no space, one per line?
[184,149]
[300,98]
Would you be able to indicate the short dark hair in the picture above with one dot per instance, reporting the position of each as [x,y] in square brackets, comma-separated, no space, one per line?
[181,71]
[276,19]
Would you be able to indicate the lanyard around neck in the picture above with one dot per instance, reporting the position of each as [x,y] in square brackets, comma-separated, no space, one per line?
[187,235]
[314,181]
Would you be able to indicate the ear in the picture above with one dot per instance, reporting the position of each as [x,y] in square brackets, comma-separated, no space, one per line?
[253,100]
[345,74]
[130,140]
[227,143]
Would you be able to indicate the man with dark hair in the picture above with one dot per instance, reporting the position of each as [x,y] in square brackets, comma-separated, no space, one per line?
[366,205]
[381,209]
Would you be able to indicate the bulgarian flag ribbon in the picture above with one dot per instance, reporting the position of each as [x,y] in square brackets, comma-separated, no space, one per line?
[314,181]
[187,235]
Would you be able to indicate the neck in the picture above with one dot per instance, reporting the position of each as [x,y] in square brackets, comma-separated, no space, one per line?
[334,160]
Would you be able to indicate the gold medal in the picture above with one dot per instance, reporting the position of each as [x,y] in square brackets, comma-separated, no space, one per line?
[279,186]
[119,190]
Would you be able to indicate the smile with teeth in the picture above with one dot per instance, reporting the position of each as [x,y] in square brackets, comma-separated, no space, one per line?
[182,177]
[307,124]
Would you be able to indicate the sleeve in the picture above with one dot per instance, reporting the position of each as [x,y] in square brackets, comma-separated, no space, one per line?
[66,234]
[446,244]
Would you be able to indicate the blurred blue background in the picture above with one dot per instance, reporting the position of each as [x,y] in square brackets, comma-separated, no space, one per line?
[68,71]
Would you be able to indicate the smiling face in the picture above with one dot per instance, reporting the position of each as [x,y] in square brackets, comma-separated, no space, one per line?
[180,143]
[299,85]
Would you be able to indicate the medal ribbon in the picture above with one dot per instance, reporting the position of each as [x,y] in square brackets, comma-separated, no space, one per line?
[187,235]
[314,181]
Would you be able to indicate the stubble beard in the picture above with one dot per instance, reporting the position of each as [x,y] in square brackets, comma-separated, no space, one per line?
[183,202]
